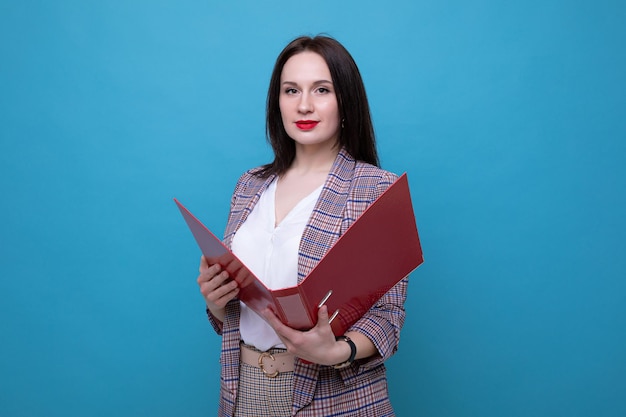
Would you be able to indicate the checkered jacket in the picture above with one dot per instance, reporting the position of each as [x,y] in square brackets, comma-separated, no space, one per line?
[358,390]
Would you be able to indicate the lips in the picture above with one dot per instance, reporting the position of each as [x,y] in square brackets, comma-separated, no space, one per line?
[306,124]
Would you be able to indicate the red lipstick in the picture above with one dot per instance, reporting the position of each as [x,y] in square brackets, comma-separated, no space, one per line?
[306,124]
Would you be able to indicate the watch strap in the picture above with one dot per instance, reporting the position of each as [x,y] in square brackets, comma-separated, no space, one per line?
[352,352]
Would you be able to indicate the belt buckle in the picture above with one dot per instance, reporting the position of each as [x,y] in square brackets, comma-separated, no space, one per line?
[265,372]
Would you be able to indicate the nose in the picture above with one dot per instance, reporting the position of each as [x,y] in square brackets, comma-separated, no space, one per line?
[305,105]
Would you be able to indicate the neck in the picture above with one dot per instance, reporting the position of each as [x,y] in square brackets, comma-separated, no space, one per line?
[313,160]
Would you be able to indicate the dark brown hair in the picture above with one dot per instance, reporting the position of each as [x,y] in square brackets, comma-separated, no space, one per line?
[357,133]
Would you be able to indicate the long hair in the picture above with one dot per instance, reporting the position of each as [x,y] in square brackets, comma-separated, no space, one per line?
[357,132]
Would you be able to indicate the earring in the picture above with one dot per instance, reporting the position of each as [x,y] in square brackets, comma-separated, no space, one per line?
[342,123]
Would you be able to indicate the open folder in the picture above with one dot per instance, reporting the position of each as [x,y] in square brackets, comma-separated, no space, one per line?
[377,251]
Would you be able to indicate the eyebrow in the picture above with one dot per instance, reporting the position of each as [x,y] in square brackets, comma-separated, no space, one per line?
[315,83]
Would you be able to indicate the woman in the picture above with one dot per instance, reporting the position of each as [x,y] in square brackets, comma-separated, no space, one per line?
[284,217]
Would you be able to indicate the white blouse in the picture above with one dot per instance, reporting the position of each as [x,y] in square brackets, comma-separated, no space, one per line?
[271,253]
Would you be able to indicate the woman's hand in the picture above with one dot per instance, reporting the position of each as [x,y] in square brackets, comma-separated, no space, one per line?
[216,288]
[317,345]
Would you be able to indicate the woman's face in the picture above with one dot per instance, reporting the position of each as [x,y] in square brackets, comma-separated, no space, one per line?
[307,100]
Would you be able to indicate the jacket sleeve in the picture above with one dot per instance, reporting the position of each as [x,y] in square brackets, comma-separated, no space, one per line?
[218,326]
[382,324]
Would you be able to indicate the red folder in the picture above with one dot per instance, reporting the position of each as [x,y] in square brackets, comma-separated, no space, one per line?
[379,249]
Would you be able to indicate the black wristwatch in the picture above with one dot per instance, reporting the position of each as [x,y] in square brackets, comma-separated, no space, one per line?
[352,352]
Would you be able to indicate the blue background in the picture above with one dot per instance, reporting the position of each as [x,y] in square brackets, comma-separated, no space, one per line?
[509,118]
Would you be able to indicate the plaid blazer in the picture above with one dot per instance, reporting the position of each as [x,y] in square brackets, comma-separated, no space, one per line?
[358,390]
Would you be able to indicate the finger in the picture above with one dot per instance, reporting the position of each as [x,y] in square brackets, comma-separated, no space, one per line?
[226,297]
[272,319]
[283,331]
[322,314]
[210,273]
[322,320]
[220,284]
[277,325]
[204,264]
[220,295]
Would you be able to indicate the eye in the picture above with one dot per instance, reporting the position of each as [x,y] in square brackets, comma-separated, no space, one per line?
[323,90]
[290,91]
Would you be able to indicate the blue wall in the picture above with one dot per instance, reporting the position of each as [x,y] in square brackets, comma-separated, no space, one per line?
[509,118]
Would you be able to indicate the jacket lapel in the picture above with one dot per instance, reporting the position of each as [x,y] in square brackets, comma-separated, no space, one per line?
[325,224]
[247,195]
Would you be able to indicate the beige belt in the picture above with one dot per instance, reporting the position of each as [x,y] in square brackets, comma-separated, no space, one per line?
[270,364]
